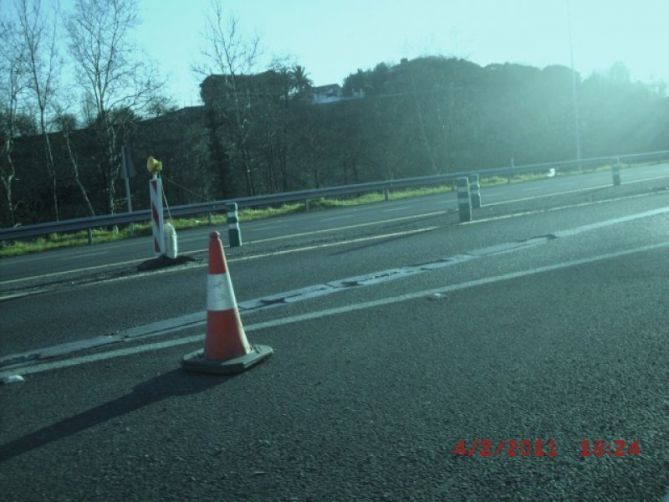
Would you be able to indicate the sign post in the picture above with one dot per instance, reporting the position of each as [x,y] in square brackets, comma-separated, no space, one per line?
[127,172]
[156,192]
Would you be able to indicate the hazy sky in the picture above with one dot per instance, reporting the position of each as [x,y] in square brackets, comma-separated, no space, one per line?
[334,38]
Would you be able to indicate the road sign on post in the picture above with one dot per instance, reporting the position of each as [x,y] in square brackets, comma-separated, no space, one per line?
[156,191]
[234,232]
[464,199]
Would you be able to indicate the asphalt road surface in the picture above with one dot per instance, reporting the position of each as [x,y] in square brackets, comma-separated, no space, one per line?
[522,356]
[62,264]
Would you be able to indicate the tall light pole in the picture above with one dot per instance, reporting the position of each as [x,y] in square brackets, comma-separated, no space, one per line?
[574,93]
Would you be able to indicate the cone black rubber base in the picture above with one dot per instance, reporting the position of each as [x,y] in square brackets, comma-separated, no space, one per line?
[195,361]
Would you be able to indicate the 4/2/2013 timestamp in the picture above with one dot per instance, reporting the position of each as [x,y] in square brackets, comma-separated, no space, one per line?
[543,448]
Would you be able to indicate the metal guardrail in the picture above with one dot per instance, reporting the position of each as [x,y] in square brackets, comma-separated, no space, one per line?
[87,223]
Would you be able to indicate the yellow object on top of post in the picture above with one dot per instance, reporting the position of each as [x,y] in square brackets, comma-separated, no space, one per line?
[153,165]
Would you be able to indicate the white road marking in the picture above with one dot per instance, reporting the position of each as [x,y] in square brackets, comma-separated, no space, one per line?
[530,189]
[347,227]
[266,227]
[377,222]
[332,244]
[65,272]
[608,223]
[334,218]
[392,209]
[258,241]
[553,209]
[14,296]
[199,238]
[180,323]
[86,255]
[577,190]
[75,361]
[233,260]
[27,259]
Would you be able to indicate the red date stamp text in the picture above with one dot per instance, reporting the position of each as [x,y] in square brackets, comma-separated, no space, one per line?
[543,448]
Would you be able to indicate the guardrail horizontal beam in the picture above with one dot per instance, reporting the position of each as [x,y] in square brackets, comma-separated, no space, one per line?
[219,206]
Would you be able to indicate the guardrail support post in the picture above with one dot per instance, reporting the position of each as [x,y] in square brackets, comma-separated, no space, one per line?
[475,186]
[234,233]
[209,218]
[89,232]
[615,170]
[464,200]
[306,205]
[386,194]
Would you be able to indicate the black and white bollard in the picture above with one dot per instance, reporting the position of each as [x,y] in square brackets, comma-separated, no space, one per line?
[615,170]
[464,200]
[171,242]
[475,189]
[234,233]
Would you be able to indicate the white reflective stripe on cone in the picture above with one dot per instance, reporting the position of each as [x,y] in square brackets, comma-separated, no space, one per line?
[219,293]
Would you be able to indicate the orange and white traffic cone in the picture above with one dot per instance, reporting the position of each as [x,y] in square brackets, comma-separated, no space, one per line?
[226,349]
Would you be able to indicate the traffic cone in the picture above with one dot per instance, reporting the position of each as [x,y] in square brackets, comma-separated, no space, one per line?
[226,349]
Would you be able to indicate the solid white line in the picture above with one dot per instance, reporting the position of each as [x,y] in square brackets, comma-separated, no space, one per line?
[266,227]
[531,188]
[561,208]
[86,255]
[348,227]
[27,259]
[65,272]
[258,241]
[333,311]
[392,209]
[377,222]
[14,296]
[342,217]
[454,287]
[332,244]
[300,249]
[192,239]
[608,223]
[233,260]
[577,190]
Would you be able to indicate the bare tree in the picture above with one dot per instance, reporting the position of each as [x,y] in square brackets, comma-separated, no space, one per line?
[66,123]
[12,83]
[228,53]
[37,38]
[111,73]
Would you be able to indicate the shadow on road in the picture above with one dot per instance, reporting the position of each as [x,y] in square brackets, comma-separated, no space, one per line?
[174,383]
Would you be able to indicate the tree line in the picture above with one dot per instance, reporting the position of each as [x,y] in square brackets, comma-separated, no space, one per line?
[260,131]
